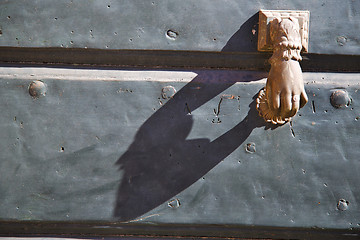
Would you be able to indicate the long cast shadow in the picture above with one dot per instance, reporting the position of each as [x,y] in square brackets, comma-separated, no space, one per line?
[245,39]
[161,162]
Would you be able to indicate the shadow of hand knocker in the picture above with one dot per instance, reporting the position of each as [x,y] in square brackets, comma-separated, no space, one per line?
[284,93]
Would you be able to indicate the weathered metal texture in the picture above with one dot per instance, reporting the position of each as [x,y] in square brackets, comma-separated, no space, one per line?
[115,148]
[170,25]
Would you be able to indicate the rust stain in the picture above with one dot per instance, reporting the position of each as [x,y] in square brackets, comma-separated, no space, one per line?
[228,96]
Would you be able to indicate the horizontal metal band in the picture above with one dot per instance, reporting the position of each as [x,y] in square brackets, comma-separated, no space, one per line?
[169,59]
[108,229]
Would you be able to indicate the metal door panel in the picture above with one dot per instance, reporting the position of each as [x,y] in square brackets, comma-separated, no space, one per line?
[115,148]
[169,25]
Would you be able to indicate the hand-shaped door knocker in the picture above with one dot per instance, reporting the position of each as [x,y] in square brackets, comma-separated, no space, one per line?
[284,93]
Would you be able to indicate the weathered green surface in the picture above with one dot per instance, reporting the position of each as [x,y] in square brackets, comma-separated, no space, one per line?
[105,145]
[202,25]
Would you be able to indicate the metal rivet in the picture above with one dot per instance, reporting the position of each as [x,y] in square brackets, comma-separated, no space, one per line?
[37,89]
[341,40]
[171,34]
[250,148]
[340,98]
[175,203]
[343,205]
[168,92]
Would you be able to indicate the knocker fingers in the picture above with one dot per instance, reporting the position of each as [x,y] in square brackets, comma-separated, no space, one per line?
[275,98]
[295,104]
[291,103]
[286,103]
[303,98]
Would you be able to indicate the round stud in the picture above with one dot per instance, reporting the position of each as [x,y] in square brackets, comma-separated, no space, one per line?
[37,89]
[250,147]
[340,98]
[342,205]
[168,92]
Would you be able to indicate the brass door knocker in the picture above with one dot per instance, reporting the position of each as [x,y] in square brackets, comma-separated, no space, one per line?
[284,92]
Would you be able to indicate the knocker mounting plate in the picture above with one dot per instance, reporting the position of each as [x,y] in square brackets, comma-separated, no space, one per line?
[266,16]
